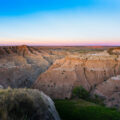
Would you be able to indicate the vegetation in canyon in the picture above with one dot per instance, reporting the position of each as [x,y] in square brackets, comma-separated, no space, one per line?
[83,110]
[81,93]
[83,106]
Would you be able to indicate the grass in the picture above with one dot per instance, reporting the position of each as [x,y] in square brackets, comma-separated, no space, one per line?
[83,110]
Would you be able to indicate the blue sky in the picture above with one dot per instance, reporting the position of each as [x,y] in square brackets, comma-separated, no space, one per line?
[60,22]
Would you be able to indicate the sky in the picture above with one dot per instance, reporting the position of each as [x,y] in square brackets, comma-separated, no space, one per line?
[60,22]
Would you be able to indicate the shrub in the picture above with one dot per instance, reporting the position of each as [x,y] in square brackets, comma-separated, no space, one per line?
[80,92]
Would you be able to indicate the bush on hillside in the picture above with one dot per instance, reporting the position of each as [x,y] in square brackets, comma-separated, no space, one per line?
[80,92]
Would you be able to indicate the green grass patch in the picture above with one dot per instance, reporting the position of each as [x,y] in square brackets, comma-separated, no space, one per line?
[83,110]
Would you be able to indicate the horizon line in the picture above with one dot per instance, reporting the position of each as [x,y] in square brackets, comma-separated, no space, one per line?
[89,45]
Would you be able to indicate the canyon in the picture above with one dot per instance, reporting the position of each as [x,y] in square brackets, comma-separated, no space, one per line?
[57,70]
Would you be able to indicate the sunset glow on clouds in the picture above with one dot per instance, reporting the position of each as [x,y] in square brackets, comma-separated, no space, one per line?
[59,22]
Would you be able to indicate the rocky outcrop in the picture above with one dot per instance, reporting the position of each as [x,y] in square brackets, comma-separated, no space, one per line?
[84,70]
[57,70]
[114,51]
[26,104]
[21,65]
[110,91]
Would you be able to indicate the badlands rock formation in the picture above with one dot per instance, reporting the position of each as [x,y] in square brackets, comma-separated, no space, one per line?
[115,51]
[57,70]
[91,71]
[21,65]
[110,90]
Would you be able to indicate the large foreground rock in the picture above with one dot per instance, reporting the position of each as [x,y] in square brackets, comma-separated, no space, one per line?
[26,104]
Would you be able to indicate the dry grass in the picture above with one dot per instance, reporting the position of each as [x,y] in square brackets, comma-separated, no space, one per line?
[21,104]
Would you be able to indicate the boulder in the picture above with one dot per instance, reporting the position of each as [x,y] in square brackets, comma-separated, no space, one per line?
[26,104]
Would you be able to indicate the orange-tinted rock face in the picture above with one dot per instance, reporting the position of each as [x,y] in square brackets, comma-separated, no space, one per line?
[86,70]
[21,65]
[110,90]
[56,71]
[115,51]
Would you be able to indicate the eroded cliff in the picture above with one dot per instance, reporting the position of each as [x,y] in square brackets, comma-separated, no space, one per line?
[92,71]
[57,70]
[21,65]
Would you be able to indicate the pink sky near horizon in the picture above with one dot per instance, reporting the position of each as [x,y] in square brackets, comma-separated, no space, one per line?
[60,42]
